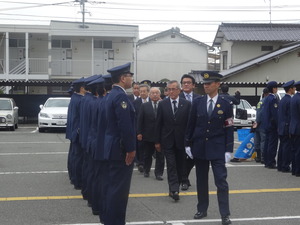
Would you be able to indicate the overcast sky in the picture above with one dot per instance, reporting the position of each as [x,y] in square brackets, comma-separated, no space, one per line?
[198,19]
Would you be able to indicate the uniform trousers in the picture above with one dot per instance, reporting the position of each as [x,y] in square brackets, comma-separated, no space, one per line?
[296,155]
[70,162]
[119,179]
[77,164]
[85,173]
[271,145]
[220,175]
[284,153]
[175,162]
[149,149]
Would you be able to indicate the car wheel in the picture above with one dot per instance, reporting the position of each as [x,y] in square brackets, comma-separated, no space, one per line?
[12,128]
[41,130]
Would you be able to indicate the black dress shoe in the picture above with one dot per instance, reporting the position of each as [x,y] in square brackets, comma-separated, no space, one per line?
[77,187]
[297,174]
[272,167]
[174,195]
[235,160]
[200,215]
[159,178]
[96,213]
[184,187]
[226,220]
[141,168]
[146,174]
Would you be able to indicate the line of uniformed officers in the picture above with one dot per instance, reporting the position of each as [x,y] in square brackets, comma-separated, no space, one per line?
[109,131]
[279,128]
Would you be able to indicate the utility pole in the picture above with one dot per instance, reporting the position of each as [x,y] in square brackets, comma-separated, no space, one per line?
[83,12]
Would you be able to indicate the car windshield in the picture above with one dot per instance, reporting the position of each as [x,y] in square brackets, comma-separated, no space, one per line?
[244,105]
[57,103]
[5,105]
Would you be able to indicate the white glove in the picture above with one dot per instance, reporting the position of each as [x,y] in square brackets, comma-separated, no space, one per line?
[189,152]
[227,157]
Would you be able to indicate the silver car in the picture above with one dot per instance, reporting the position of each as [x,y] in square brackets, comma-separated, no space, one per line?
[9,113]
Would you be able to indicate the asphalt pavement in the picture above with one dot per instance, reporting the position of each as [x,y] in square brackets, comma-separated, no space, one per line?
[35,189]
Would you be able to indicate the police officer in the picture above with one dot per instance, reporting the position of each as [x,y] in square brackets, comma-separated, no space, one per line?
[270,125]
[209,138]
[284,116]
[119,145]
[295,130]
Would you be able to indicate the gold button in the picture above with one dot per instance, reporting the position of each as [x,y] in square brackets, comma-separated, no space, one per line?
[206,139]
[208,122]
[207,131]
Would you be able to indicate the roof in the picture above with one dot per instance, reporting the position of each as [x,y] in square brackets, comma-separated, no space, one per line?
[171,31]
[257,32]
[35,82]
[260,60]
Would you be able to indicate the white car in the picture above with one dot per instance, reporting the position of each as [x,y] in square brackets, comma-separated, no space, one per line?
[251,114]
[53,114]
[9,113]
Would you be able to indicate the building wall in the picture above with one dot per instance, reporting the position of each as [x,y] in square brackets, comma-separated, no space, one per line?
[169,58]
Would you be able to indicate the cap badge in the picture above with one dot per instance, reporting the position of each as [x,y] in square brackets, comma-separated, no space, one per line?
[124,105]
[206,76]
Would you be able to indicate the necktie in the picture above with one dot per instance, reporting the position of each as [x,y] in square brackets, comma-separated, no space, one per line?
[189,97]
[210,107]
[175,107]
[155,109]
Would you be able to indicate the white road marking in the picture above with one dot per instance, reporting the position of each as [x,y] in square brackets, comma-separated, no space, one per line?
[182,222]
[33,153]
[33,172]
[34,131]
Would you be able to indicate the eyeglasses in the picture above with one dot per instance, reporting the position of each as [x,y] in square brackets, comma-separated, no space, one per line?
[187,82]
[172,89]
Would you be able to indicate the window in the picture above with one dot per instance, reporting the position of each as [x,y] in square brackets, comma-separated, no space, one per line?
[225,55]
[97,44]
[16,42]
[266,48]
[107,44]
[61,44]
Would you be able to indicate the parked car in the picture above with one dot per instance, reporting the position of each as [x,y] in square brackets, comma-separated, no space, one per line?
[53,114]
[251,114]
[9,113]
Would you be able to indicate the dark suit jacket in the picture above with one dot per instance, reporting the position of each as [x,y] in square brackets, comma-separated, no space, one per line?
[131,97]
[181,95]
[146,122]
[295,112]
[170,128]
[210,137]
[137,105]
[284,115]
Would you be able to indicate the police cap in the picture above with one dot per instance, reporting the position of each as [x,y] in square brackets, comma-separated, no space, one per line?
[79,81]
[210,76]
[272,84]
[289,84]
[297,83]
[96,81]
[119,70]
[91,78]
[148,82]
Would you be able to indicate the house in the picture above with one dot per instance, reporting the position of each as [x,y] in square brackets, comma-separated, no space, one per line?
[240,42]
[64,50]
[169,55]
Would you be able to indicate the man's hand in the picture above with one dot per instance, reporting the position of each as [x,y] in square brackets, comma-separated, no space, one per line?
[227,157]
[129,157]
[189,152]
[157,147]
[140,137]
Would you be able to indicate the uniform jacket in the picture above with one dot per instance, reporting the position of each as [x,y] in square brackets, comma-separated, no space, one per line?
[284,115]
[270,113]
[295,115]
[120,132]
[146,122]
[74,118]
[210,138]
[170,128]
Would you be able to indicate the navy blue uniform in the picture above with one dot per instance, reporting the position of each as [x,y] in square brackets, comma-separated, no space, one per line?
[209,139]
[119,138]
[270,125]
[295,132]
[285,152]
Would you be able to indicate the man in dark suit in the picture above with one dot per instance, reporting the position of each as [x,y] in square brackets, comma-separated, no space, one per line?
[172,116]
[270,125]
[295,130]
[234,99]
[284,116]
[119,145]
[144,97]
[145,130]
[135,92]
[209,140]
[187,85]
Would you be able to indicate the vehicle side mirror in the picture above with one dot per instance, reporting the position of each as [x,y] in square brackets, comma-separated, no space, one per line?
[41,106]
[254,107]
[16,108]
